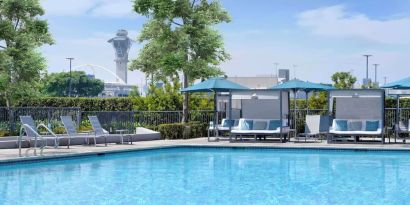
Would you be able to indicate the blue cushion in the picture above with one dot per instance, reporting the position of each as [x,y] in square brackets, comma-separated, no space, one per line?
[274,124]
[341,125]
[228,123]
[372,125]
[247,125]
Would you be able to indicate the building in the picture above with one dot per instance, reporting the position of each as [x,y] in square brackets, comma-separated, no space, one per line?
[283,75]
[116,90]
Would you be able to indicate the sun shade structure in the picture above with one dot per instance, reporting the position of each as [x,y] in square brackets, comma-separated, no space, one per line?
[357,113]
[260,110]
[400,84]
[215,85]
[295,85]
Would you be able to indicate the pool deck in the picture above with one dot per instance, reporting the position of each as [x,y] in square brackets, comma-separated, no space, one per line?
[11,155]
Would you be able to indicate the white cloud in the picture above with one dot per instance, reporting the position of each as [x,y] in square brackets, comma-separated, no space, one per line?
[336,22]
[95,8]
[110,8]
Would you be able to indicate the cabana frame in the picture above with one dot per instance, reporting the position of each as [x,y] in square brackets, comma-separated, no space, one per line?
[258,114]
[364,112]
[397,130]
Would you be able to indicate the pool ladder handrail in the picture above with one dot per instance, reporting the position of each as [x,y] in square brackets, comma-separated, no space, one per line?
[23,130]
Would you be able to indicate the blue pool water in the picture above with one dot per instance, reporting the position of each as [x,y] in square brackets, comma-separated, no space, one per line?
[212,176]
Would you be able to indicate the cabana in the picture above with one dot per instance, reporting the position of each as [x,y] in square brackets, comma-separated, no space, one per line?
[216,85]
[400,88]
[296,85]
[358,113]
[264,113]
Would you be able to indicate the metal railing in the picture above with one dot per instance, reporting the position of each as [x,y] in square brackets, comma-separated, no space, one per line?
[114,120]
[10,117]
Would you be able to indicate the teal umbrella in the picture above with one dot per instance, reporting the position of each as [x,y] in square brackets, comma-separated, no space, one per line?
[215,85]
[295,85]
[400,84]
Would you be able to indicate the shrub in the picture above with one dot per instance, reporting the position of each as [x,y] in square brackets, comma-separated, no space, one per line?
[172,131]
[183,130]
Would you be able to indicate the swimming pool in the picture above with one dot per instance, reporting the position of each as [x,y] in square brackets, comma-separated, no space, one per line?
[191,175]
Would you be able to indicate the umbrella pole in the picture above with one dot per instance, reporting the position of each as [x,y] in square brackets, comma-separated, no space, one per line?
[216,114]
[295,111]
[307,102]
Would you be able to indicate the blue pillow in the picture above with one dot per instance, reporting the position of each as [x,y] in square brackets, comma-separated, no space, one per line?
[228,123]
[247,125]
[341,125]
[372,125]
[274,124]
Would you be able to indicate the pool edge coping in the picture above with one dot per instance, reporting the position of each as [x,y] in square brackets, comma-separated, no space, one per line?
[103,152]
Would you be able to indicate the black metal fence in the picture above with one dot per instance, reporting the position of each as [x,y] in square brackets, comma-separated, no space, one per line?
[114,120]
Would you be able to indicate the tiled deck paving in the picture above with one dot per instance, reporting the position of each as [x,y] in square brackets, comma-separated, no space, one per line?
[11,155]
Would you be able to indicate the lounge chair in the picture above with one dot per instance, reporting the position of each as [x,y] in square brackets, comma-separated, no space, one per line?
[355,128]
[260,128]
[29,122]
[225,126]
[315,126]
[403,129]
[71,131]
[99,131]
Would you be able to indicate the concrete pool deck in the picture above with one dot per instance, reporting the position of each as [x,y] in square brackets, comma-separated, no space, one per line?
[11,155]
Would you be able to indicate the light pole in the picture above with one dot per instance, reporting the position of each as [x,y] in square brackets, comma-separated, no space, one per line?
[294,71]
[367,70]
[69,84]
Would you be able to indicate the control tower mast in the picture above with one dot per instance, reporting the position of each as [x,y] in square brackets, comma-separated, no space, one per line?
[122,45]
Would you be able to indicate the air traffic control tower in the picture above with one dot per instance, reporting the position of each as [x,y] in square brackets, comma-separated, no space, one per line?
[122,45]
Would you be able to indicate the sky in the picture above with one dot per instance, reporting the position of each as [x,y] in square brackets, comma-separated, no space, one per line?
[312,38]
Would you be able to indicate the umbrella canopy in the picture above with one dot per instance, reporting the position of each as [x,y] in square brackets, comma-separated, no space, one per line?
[296,84]
[214,85]
[400,84]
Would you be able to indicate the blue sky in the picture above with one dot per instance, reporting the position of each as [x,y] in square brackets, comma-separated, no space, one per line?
[319,37]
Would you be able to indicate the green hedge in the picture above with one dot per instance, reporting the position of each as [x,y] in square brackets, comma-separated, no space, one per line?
[183,130]
[86,104]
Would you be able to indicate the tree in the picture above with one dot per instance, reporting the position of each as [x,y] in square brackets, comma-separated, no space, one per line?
[134,92]
[180,37]
[21,33]
[343,80]
[57,84]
